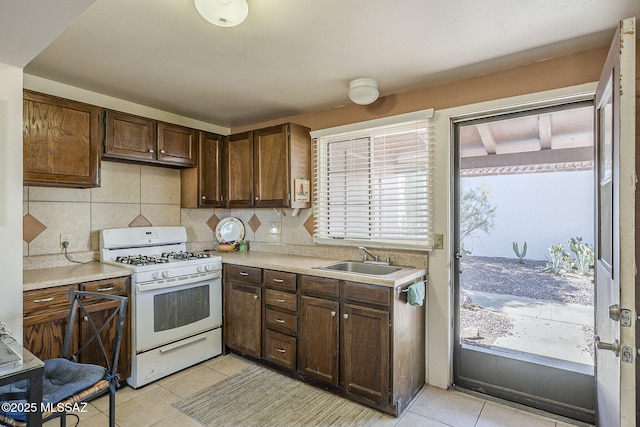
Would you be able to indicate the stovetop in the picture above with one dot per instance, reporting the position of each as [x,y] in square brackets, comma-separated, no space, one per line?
[139,259]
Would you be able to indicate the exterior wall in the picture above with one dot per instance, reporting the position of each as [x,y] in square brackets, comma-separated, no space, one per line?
[541,209]
[11,197]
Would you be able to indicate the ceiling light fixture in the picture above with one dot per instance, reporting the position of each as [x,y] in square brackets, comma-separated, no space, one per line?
[223,13]
[363,91]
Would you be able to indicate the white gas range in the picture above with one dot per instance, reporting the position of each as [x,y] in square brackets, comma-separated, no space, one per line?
[176,299]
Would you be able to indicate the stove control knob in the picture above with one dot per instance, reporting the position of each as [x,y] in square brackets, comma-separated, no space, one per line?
[201,269]
[208,267]
[160,274]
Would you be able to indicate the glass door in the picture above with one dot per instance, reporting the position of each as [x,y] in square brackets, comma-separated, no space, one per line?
[524,263]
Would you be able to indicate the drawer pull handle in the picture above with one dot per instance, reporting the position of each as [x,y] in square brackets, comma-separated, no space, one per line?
[278,280]
[242,273]
[107,289]
[280,350]
[279,300]
[279,320]
[44,299]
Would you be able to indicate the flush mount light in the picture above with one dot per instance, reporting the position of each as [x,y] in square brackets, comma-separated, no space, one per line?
[363,91]
[223,13]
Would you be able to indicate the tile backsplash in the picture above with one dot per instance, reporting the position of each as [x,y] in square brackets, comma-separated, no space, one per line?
[136,195]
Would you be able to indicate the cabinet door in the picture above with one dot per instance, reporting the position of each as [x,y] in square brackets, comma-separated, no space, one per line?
[239,170]
[243,318]
[364,363]
[129,137]
[61,142]
[318,339]
[99,313]
[176,145]
[271,167]
[210,170]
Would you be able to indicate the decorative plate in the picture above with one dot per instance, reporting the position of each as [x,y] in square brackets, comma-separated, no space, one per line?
[230,229]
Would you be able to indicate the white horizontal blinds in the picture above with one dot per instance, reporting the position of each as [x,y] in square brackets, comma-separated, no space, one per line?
[374,186]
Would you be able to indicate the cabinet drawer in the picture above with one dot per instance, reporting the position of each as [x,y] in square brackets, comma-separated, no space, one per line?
[321,286]
[46,301]
[280,349]
[371,294]
[282,300]
[244,274]
[280,280]
[283,321]
[116,286]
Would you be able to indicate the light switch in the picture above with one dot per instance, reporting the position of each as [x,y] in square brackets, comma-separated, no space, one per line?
[438,241]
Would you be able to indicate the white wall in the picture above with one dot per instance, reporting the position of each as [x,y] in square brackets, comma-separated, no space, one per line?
[440,293]
[11,197]
[541,209]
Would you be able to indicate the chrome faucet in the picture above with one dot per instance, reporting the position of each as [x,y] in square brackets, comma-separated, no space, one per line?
[366,252]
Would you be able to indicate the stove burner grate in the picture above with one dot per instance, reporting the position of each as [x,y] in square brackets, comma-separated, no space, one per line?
[141,260]
[185,255]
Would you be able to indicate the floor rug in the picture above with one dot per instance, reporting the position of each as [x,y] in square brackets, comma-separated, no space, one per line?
[260,397]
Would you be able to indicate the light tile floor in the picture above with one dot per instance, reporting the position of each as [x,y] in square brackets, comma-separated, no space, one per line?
[151,405]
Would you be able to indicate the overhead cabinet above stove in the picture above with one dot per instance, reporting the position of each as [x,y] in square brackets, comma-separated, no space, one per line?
[139,139]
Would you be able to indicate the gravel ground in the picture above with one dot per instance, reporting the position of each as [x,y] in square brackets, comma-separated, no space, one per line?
[508,276]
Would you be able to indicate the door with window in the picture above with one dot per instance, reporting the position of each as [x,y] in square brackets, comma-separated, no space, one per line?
[615,245]
[524,262]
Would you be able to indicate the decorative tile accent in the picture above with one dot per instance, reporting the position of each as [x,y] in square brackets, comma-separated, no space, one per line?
[140,221]
[254,223]
[213,222]
[310,224]
[31,228]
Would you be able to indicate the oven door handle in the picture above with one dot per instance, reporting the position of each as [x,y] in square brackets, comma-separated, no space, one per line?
[165,284]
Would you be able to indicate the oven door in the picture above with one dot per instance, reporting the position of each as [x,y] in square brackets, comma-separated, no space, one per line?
[169,310]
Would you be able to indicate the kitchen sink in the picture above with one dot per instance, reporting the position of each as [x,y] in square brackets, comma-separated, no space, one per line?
[360,267]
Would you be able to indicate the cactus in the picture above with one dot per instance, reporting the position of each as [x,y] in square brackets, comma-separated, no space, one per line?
[584,256]
[517,251]
[561,260]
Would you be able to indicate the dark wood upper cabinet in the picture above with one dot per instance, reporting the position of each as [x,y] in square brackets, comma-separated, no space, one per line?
[176,145]
[282,154]
[239,170]
[129,137]
[203,185]
[139,139]
[61,142]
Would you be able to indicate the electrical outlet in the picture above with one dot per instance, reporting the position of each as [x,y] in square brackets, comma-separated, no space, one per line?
[65,237]
[438,241]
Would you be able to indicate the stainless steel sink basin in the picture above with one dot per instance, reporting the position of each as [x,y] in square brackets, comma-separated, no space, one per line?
[359,267]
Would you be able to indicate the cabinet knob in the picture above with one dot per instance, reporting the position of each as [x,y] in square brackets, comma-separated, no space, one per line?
[333,314]
[150,150]
[204,197]
[257,198]
[256,296]
[346,316]
[162,151]
[85,318]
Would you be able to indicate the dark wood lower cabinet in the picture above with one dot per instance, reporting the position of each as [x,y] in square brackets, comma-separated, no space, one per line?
[364,355]
[319,339]
[362,341]
[46,313]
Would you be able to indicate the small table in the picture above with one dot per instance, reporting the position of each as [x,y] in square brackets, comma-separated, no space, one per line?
[31,368]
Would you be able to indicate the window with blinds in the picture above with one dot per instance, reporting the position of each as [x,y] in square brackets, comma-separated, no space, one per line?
[373,185]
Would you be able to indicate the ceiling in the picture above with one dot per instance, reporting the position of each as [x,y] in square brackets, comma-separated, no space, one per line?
[291,56]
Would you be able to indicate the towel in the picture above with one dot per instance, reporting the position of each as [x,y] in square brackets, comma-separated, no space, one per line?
[415,294]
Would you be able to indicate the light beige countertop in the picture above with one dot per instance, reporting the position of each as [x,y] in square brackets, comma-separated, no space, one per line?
[305,265]
[69,275]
